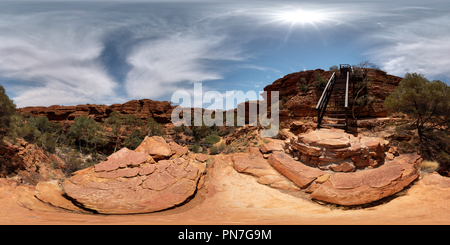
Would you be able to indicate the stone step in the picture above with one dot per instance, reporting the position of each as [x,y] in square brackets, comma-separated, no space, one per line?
[333,119]
[332,125]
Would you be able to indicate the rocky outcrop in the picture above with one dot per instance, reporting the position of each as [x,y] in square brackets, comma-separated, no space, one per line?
[271,147]
[323,163]
[338,151]
[370,185]
[299,173]
[253,163]
[298,103]
[156,147]
[29,163]
[436,180]
[143,109]
[133,182]
[50,192]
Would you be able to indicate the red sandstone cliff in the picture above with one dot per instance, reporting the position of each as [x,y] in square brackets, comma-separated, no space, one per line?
[159,110]
[296,103]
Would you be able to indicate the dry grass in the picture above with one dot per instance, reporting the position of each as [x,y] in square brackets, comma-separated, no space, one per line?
[429,166]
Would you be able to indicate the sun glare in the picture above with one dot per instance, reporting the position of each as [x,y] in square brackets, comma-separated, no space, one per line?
[302,19]
[300,16]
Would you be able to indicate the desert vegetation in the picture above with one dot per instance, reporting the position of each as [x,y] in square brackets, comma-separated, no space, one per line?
[87,141]
[427,104]
[423,102]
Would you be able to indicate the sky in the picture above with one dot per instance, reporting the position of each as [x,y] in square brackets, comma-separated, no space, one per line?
[105,52]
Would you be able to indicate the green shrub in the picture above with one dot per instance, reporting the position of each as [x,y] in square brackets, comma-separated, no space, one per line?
[365,100]
[319,81]
[188,132]
[73,164]
[223,133]
[334,68]
[303,85]
[195,148]
[217,149]
[178,129]
[54,164]
[153,127]
[134,139]
[211,139]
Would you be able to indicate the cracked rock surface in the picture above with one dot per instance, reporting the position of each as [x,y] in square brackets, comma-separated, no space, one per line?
[133,182]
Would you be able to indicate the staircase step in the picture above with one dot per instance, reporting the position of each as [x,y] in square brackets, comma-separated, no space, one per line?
[333,125]
[334,111]
[333,119]
[326,114]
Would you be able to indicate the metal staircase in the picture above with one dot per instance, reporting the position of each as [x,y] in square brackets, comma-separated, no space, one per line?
[332,107]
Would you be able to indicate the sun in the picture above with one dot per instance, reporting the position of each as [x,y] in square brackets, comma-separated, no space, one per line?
[299,16]
[296,20]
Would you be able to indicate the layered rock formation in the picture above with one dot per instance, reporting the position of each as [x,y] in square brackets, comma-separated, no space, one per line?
[371,185]
[300,174]
[324,166]
[133,182]
[143,109]
[29,163]
[336,150]
[297,103]
[253,163]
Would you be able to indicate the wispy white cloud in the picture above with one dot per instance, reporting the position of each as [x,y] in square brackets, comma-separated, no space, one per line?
[159,66]
[74,53]
[421,46]
[61,53]
[53,60]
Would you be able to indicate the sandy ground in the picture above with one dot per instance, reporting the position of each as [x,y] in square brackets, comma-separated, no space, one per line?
[233,198]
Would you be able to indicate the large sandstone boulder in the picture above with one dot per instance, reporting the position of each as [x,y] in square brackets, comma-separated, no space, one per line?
[271,147]
[299,173]
[132,182]
[156,147]
[370,185]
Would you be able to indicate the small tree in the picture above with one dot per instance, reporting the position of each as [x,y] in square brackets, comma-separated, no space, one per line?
[153,128]
[334,68]
[88,130]
[96,134]
[134,139]
[427,102]
[115,121]
[362,82]
[7,110]
[78,130]
[131,121]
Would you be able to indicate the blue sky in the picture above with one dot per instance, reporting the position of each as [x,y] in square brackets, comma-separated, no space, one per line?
[69,53]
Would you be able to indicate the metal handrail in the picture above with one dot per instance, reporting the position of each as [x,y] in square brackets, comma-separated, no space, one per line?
[346,91]
[319,104]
